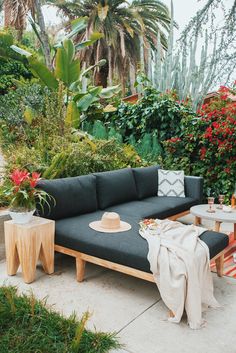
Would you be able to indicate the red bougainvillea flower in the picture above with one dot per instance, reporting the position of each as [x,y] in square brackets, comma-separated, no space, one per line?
[224,97]
[18,176]
[223,89]
[203,151]
[34,180]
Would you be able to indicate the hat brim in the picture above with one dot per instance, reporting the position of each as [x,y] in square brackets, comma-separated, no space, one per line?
[96,225]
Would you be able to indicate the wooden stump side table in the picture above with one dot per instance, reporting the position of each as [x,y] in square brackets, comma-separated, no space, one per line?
[28,243]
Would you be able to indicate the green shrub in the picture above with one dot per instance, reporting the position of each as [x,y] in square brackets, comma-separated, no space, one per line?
[148,146]
[145,125]
[13,68]
[156,113]
[45,113]
[27,325]
[96,156]
[71,157]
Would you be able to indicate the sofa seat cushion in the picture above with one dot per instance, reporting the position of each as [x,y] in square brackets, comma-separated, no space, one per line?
[146,180]
[126,248]
[173,203]
[115,187]
[73,196]
[215,241]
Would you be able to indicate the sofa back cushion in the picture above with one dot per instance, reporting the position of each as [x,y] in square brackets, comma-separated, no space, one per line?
[115,187]
[73,196]
[146,180]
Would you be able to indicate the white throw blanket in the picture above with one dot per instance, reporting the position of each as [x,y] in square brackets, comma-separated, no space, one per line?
[179,261]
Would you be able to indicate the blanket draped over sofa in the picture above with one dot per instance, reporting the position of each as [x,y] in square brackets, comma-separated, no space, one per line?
[179,261]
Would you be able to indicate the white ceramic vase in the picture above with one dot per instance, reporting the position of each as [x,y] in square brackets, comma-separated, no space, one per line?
[22,217]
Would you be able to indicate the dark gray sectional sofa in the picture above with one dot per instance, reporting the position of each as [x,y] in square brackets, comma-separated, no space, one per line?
[133,194]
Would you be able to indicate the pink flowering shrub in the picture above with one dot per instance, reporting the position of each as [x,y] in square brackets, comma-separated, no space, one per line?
[207,146]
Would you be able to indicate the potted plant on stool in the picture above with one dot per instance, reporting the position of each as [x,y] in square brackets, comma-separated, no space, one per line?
[23,195]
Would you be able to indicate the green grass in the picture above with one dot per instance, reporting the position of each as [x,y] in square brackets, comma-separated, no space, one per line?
[28,326]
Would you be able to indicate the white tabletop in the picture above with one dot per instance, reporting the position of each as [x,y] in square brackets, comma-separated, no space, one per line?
[218,215]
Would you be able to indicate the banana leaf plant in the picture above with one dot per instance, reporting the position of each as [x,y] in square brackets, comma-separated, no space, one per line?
[68,70]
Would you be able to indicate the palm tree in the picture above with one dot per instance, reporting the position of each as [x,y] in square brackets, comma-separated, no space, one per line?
[125,26]
[15,12]
[15,15]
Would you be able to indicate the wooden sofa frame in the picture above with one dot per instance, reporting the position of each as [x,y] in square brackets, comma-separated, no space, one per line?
[82,258]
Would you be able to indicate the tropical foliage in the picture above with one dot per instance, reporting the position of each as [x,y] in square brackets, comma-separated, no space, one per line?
[157,113]
[125,27]
[68,71]
[22,192]
[36,137]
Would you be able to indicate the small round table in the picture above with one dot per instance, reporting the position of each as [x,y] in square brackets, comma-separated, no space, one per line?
[219,216]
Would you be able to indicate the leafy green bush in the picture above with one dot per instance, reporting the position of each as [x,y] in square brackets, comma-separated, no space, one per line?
[72,157]
[145,125]
[147,146]
[14,126]
[27,325]
[90,156]
[156,113]
[10,69]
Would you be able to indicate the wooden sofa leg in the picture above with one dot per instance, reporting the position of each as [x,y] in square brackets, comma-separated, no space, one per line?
[220,265]
[80,268]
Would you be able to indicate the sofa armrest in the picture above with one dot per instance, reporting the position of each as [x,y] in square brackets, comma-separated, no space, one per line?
[194,187]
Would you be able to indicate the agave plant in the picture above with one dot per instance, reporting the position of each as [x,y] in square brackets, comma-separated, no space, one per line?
[68,71]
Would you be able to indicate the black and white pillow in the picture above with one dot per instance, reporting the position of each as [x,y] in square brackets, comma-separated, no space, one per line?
[171,183]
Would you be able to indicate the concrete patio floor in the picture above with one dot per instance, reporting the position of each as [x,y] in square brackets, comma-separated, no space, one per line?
[133,308]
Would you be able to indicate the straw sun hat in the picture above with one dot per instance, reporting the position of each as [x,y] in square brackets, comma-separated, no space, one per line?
[110,223]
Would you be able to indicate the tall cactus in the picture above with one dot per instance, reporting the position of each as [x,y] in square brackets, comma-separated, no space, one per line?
[179,69]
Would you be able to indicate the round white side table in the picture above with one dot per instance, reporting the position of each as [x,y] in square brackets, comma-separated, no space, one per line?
[219,216]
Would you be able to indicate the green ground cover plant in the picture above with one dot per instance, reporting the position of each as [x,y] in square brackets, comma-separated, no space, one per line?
[28,325]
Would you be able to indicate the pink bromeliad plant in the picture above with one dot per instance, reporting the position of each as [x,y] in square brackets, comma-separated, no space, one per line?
[23,193]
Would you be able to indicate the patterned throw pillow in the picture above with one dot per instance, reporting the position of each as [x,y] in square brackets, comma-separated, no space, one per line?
[171,183]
